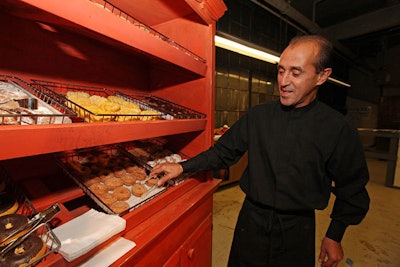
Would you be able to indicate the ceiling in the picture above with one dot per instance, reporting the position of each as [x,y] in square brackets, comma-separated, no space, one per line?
[361,29]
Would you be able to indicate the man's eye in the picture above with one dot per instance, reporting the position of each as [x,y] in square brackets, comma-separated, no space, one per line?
[296,73]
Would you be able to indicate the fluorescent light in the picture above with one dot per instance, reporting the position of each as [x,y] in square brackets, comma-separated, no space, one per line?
[245,50]
[255,53]
[339,82]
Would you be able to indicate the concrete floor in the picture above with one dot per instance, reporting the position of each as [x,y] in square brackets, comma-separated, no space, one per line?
[373,243]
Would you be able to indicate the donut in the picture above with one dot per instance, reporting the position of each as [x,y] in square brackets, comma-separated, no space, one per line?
[31,249]
[9,224]
[138,190]
[119,172]
[113,183]
[8,205]
[122,193]
[108,198]
[88,181]
[128,179]
[98,189]
[152,181]
[119,206]
[139,173]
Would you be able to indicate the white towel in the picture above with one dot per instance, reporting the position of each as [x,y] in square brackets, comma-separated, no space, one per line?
[109,254]
[87,231]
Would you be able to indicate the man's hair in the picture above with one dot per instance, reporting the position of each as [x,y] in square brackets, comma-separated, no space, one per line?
[325,52]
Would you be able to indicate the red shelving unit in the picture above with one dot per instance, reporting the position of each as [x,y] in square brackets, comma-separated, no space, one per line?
[165,48]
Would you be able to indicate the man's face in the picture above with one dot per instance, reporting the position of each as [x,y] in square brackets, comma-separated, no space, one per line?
[297,77]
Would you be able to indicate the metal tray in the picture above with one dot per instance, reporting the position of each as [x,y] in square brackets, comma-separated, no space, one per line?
[60,90]
[164,109]
[90,158]
[27,209]
[49,110]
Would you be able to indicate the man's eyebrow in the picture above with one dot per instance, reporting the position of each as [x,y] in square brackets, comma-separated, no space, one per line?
[290,68]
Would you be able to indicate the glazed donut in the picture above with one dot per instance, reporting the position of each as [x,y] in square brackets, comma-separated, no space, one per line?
[152,181]
[98,189]
[119,172]
[88,181]
[10,223]
[128,179]
[139,173]
[119,206]
[108,198]
[138,190]
[113,183]
[31,249]
[122,193]
[8,205]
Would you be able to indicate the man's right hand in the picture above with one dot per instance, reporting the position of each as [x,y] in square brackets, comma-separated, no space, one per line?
[166,171]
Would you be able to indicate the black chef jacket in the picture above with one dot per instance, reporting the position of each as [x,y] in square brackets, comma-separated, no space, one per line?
[296,158]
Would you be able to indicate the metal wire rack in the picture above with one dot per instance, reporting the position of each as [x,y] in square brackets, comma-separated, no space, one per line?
[58,113]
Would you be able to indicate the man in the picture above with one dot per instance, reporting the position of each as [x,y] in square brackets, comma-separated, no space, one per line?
[299,151]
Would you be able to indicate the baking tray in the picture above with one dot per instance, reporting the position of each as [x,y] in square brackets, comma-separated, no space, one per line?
[60,91]
[49,111]
[151,152]
[26,208]
[162,109]
[92,158]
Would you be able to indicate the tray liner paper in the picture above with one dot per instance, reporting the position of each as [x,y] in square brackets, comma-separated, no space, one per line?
[87,231]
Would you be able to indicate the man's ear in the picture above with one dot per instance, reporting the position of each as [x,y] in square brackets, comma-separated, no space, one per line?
[324,75]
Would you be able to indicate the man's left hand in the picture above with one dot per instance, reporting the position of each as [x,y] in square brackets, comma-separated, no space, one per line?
[331,253]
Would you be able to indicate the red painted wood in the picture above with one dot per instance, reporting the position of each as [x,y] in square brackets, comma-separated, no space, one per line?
[80,42]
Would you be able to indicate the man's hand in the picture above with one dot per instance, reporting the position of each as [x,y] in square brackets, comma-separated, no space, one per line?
[167,170]
[331,253]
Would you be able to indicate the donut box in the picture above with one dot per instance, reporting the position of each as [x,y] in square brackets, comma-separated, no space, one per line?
[34,240]
[22,104]
[94,104]
[115,182]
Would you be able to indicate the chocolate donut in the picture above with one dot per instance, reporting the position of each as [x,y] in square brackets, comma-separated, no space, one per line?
[10,223]
[8,205]
[31,249]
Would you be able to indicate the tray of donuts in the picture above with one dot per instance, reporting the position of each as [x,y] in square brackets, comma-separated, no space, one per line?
[22,104]
[153,151]
[116,182]
[26,238]
[96,104]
